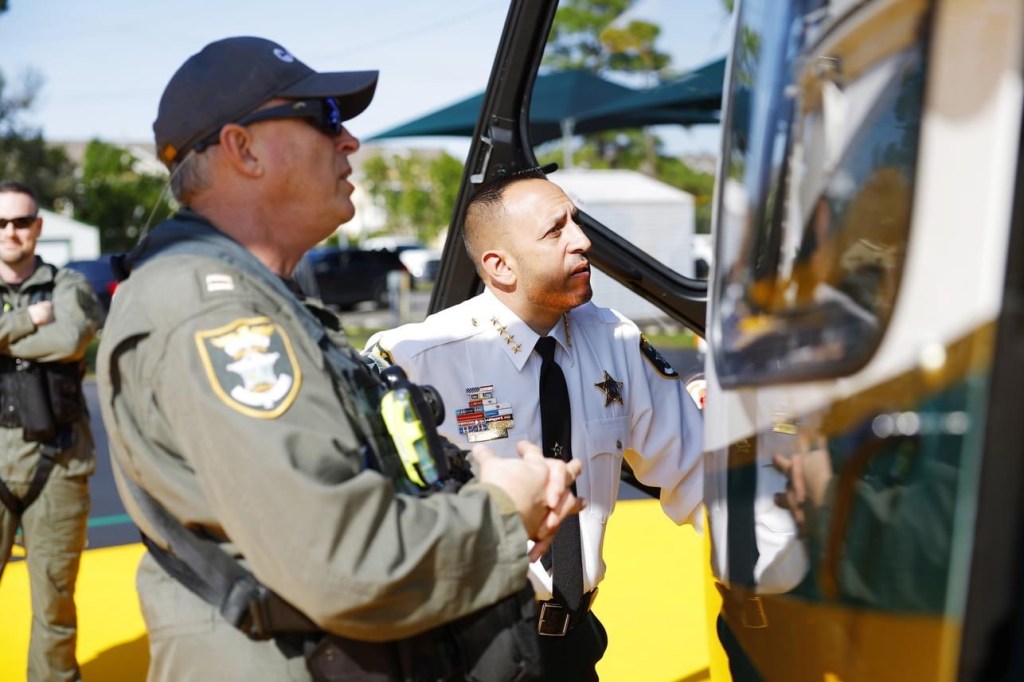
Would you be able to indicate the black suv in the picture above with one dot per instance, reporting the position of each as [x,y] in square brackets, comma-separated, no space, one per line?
[348,276]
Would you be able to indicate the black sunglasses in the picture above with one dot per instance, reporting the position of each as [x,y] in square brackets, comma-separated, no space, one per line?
[20,223]
[323,114]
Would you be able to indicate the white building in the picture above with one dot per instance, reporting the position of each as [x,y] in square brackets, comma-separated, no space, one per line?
[63,239]
[650,214]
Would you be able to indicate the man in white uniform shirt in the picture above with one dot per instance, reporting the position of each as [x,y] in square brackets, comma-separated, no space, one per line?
[624,400]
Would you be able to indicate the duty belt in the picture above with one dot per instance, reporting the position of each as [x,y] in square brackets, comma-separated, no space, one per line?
[555,620]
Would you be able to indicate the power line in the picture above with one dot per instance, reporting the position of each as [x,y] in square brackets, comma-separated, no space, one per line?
[420,30]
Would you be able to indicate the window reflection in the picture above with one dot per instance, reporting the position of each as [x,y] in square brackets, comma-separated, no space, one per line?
[819,186]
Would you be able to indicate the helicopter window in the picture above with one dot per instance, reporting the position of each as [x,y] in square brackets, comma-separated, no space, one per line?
[815,214]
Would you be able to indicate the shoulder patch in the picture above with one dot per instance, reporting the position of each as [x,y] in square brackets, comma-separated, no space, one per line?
[251,366]
[656,359]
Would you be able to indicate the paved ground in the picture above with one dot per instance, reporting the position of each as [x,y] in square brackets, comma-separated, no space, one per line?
[652,603]
[108,523]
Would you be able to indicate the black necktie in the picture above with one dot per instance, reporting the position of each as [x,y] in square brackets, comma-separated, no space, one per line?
[556,440]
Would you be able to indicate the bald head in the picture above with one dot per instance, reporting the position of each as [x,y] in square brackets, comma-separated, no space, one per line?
[527,245]
[485,227]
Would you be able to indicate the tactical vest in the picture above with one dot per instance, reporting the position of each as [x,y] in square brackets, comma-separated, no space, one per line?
[497,643]
[42,398]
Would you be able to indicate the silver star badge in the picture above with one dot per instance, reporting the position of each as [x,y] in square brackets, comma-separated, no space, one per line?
[612,389]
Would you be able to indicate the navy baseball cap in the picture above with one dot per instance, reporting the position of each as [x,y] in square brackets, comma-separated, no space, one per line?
[231,77]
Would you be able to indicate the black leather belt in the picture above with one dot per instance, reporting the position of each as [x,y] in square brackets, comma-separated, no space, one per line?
[555,620]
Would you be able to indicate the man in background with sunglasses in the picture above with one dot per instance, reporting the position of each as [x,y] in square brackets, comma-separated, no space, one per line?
[46,449]
[284,540]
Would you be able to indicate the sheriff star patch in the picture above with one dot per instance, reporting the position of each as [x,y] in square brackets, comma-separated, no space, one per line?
[251,366]
[655,358]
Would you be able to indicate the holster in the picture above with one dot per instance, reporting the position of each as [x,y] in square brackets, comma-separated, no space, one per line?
[38,422]
[64,387]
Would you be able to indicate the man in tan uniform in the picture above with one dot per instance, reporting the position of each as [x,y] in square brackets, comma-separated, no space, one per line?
[46,449]
[245,414]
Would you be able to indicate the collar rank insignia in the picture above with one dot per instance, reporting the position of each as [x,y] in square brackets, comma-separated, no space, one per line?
[484,418]
[379,351]
[656,359]
[510,339]
[251,366]
[612,389]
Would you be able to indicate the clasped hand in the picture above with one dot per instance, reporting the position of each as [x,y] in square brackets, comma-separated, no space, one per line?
[808,471]
[540,486]
[41,313]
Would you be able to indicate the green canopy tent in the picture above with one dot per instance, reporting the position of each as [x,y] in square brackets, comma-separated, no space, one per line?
[566,103]
[557,97]
[558,108]
[694,97]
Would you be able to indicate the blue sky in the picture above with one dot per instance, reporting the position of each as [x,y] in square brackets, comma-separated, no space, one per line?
[105,62]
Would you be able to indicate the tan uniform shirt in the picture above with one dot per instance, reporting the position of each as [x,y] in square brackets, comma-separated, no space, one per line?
[219,405]
[76,315]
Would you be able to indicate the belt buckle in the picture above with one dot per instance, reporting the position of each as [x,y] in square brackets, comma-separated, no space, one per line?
[752,614]
[553,620]
[742,608]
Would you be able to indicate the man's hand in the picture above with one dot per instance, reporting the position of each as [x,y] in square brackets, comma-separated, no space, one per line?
[809,472]
[540,487]
[41,313]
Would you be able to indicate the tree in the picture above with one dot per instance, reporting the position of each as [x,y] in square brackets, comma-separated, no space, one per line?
[416,192]
[585,36]
[24,155]
[117,196]
[701,185]
[109,192]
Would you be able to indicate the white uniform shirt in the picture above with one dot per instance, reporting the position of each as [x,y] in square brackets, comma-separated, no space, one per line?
[479,356]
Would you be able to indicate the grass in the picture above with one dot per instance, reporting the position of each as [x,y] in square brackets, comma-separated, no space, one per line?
[90,357]
[666,340]
[357,336]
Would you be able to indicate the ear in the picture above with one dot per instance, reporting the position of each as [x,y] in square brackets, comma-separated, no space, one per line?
[500,267]
[238,150]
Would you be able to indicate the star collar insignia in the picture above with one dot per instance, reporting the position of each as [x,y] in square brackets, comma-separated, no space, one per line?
[510,339]
[612,389]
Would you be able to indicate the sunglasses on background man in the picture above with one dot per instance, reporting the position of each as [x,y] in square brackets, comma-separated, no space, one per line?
[20,223]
